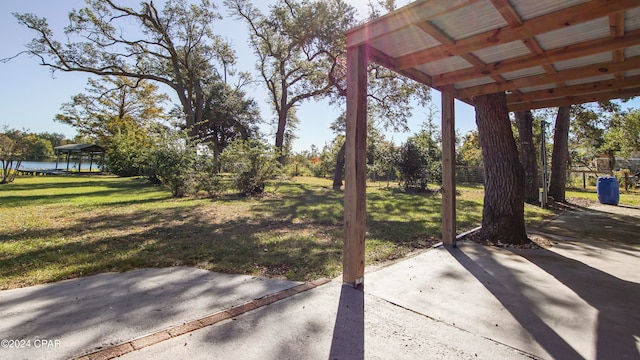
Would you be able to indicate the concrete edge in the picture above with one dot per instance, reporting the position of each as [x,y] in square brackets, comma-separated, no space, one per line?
[187,327]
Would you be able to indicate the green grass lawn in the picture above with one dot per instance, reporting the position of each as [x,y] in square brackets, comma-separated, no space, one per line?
[54,228]
[630,197]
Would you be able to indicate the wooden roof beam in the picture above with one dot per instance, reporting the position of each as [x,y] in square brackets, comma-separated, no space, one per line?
[575,100]
[404,17]
[593,87]
[435,32]
[561,76]
[548,57]
[616,25]
[514,20]
[574,15]
[508,12]
[387,61]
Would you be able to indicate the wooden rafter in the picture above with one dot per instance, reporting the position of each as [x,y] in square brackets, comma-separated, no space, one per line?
[508,13]
[429,28]
[412,14]
[425,14]
[513,19]
[548,57]
[592,87]
[557,20]
[562,76]
[573,100]
[616,25]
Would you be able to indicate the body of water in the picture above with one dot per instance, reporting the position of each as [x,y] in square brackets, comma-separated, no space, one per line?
[62,165]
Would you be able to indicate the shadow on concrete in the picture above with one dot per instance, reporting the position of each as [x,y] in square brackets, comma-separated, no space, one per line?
[615,300]
[89,313]
[348,332]
[518,305]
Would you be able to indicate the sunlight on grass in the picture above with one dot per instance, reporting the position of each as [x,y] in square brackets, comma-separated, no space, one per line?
[54,228]
[630,197]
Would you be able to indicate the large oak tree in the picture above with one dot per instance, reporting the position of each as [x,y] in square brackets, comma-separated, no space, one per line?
[528,156]
[174,45]
[503,211]
[300,46]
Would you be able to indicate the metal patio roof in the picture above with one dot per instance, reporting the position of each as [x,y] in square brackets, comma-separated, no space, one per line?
[543,53]
[72,148]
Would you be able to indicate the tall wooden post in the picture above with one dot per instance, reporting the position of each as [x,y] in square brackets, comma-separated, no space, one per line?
[448,169]
[355,168]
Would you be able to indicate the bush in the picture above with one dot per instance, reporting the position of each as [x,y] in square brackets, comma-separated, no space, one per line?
[173,161]
[207,177]
[413,166]
[126,156]
[252,163]
[298,166]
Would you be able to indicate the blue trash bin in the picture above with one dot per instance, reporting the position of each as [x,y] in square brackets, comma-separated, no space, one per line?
[608,190]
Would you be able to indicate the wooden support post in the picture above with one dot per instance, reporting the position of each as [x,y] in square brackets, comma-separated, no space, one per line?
[355,168]
[448,169]
[584,180]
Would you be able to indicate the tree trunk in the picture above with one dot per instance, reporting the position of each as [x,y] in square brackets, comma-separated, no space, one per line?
[282,123]
[337,175]
[560,155]
[503,212]
[282,110]
[528,156]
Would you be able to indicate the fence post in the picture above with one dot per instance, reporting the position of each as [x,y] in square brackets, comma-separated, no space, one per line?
[626,181]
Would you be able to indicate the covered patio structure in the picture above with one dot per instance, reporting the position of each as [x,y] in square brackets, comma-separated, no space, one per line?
[543,53]
[80,152]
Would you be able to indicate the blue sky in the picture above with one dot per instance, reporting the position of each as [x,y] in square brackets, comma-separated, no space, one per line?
[31,96]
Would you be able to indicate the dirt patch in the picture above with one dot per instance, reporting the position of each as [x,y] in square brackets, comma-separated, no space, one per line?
[536,242]
[542,242]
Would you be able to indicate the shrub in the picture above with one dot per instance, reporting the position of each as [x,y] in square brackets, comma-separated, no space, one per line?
[252,163]
[207,177]
[173,161]
[413,166]
[126,156]
[298,165]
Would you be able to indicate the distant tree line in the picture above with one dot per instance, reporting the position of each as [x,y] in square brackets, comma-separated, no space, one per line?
[30,146]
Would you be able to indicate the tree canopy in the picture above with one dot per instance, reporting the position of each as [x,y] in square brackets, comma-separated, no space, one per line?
[299,46]
[175,45]
[112,105]
[623,134]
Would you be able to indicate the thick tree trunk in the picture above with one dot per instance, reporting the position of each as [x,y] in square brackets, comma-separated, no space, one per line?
[560,155]
[528,156]
[337,174]
[503,212]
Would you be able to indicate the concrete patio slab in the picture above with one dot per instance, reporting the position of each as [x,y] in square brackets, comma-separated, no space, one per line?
[83,315]
[330,322]
[537,301]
